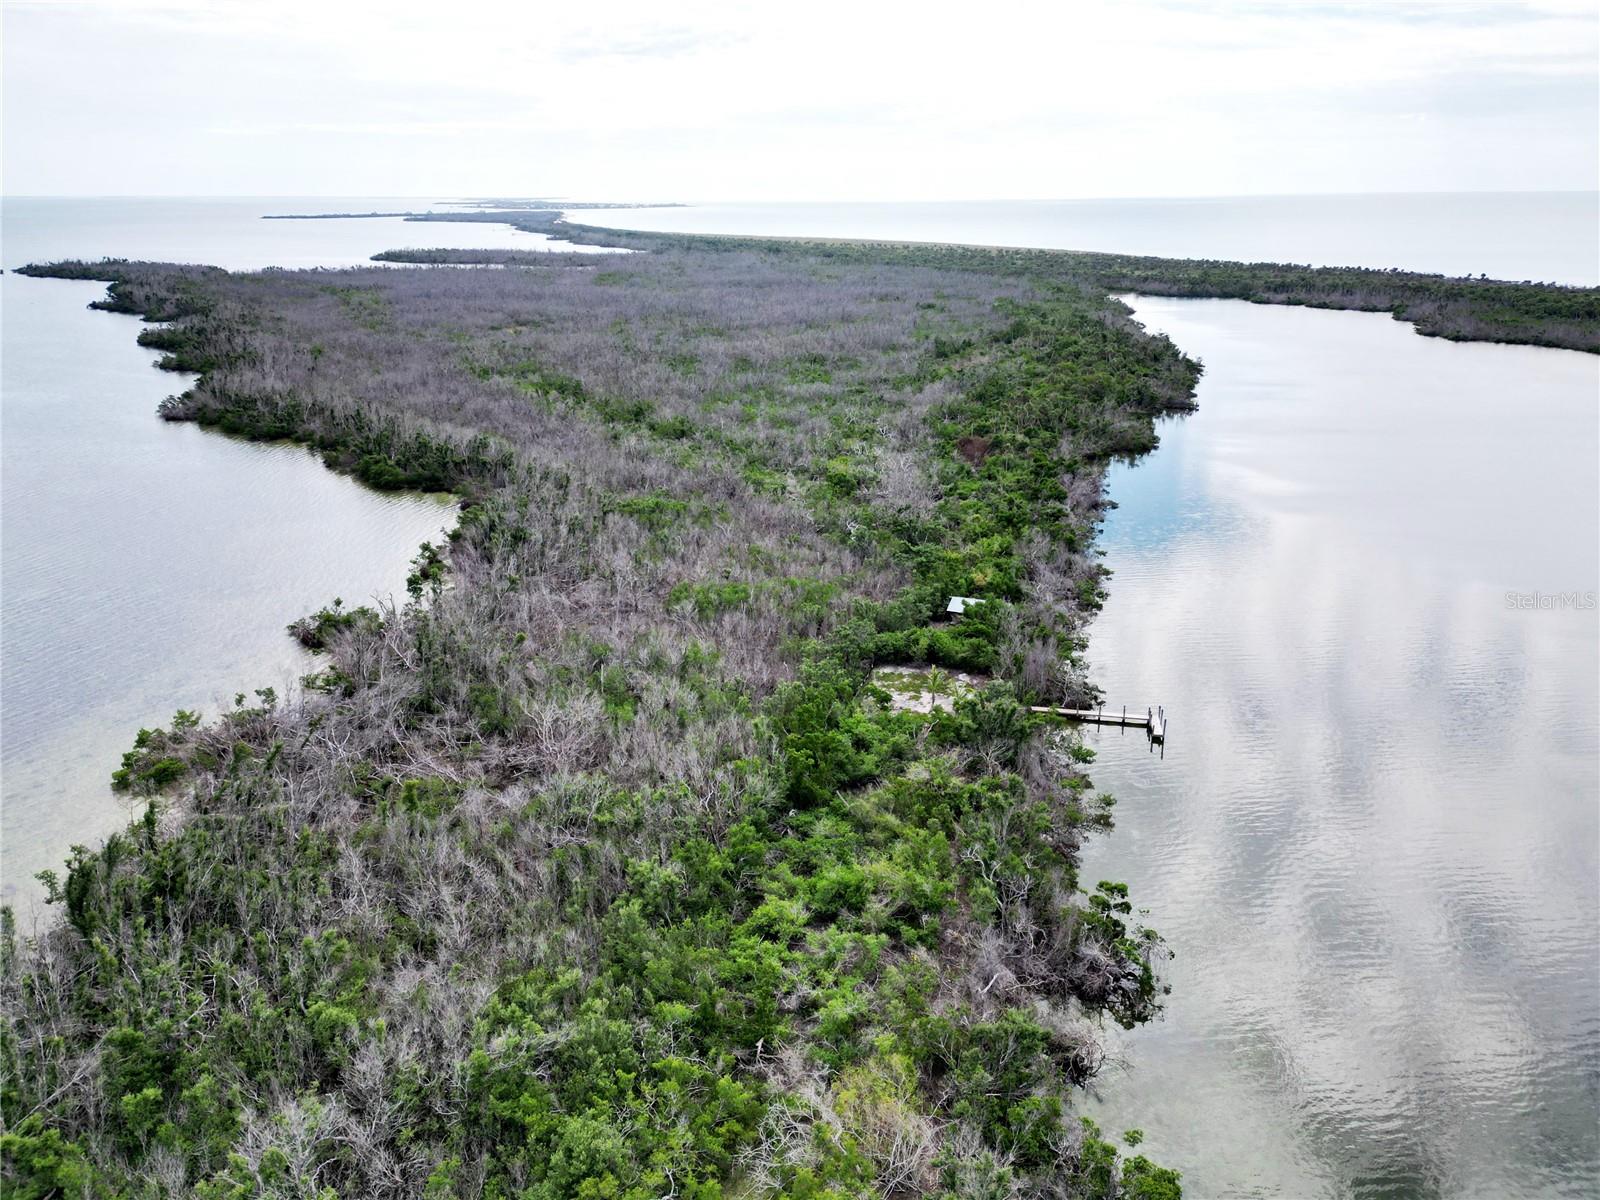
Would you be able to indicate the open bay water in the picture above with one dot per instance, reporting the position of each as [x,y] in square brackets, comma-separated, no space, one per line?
[230,232]
[147,566]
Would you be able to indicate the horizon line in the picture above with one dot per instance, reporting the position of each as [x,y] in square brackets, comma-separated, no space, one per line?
[556,202]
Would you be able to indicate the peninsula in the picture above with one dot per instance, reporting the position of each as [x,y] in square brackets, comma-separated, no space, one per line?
[610,865]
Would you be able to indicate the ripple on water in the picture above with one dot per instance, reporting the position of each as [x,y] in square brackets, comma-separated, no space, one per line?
[1372,835]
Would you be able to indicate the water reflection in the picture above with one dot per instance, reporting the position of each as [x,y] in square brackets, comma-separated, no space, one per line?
[1373,837]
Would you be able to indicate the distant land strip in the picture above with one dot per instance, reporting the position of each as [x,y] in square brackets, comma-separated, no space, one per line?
[1463,309]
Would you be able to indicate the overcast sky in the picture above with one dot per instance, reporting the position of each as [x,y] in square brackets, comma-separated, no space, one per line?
[678,100]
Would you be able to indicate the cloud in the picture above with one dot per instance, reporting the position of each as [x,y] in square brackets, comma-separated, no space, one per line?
[660,43]
[833,99]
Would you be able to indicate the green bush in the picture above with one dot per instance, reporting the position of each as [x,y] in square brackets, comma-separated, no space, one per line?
[38,1163]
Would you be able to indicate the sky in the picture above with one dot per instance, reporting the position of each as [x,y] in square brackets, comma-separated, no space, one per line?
[688,100]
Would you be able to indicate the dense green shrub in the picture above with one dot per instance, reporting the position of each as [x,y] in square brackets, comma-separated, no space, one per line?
[602,868]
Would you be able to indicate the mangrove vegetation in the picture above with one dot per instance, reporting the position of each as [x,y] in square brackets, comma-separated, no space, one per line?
[600,866]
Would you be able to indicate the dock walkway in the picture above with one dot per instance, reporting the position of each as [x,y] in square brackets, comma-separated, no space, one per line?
[1153,720]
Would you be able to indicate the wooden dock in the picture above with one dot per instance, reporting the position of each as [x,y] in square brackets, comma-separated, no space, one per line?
[1152,720]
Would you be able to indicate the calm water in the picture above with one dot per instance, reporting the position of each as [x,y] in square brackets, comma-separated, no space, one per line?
[1372,839]
[1552,236]
[147,566]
